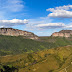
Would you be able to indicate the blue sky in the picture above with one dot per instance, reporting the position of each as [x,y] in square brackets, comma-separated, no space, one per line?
[42,17]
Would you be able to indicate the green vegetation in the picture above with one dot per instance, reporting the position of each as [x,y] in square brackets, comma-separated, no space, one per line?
[16,45]
[49,54]
[58,41]
[50,60]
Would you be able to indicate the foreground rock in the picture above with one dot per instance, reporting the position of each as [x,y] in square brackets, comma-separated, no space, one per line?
[63,33]
[16,32]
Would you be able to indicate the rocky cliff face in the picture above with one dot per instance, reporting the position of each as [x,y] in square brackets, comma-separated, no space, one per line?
[16,32]
[63,33]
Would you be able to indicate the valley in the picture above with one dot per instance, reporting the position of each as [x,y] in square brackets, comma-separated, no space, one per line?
[35,35]
[49,54]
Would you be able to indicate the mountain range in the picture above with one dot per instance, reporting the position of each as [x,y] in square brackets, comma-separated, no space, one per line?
[30,35]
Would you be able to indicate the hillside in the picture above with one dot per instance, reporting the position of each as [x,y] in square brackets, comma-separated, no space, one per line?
[17,45]
[49,60]
[58,41]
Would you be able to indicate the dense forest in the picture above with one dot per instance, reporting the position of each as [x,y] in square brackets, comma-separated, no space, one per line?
[17,45]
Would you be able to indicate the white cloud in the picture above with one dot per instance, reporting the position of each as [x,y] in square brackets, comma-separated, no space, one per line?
[43,23]
[13,22]
[54,26]
[51,25]
[61,12]
[32,25]
[68,27]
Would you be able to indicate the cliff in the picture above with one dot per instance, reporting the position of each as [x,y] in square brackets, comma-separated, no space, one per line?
[16,32]
[63,33]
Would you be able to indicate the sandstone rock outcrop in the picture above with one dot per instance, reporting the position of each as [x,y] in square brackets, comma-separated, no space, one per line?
[16,32]
[63,33]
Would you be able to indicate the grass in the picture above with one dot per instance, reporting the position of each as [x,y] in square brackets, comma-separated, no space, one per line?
[49,60]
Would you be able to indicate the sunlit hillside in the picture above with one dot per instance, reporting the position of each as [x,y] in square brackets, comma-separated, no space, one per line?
[49,60]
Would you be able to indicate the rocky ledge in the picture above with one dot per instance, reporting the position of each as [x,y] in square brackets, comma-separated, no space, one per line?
[16,32]
[63,33]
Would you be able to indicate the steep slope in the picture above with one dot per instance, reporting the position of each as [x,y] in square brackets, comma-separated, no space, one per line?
[16,32]
[49,60]
[63,33]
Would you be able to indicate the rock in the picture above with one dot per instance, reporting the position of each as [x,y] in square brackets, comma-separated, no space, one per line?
[16,32]
[63,33]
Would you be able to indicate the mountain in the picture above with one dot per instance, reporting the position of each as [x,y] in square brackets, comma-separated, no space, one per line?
[16,32]
[63,33]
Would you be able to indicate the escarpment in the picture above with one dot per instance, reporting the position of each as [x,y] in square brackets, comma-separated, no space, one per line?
[16,32]
[63,33]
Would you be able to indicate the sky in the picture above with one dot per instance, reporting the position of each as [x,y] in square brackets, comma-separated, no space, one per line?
[42,17]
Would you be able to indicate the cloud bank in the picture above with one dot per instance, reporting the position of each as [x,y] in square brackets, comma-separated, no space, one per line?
[54,26]
[13,22]
[42,25]
[51,25]
[61,11]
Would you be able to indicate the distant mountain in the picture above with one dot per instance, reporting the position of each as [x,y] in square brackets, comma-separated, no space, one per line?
[63,33]
[16,32]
